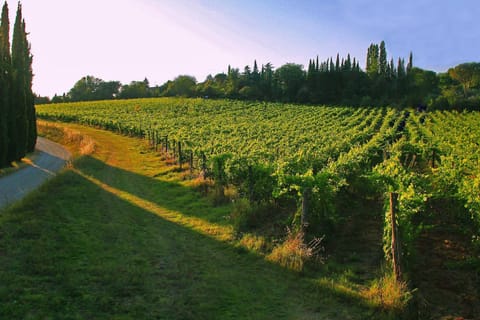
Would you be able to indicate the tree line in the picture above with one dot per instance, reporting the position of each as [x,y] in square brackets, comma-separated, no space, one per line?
[18,131]
[336,81]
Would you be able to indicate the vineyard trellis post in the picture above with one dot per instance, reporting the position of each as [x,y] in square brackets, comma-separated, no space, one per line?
[250,183]
[396,255]
[174,151]
[304,216]
[191,162]
[433,159]
[179,154]
[204,170]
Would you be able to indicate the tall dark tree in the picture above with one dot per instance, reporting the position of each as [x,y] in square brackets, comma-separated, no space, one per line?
[401,72]
[410,62]
[19,94]
[29,96]
[382,60]
[6,117]
[391,70]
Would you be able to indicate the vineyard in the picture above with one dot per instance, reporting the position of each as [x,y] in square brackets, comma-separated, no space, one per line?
[311,158]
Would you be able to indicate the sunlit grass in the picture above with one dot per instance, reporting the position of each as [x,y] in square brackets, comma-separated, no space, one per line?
[221,233]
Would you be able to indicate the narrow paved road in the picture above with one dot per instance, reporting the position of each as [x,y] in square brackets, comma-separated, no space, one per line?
[50,159]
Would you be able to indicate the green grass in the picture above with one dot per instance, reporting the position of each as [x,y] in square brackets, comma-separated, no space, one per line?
[110,238]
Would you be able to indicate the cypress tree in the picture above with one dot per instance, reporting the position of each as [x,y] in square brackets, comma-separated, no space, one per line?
[410,62]
[4,86]
[382,60]
[392,70]
[372,60]
[255,67]
[348,63]
[311,68]
[19,97]
[30,103]
[401,69]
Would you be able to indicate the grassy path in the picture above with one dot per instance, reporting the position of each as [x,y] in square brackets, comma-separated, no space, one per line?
[119,236]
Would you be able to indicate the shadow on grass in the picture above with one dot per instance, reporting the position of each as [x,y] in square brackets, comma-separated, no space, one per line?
[167,194]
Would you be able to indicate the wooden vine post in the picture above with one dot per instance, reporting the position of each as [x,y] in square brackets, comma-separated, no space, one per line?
[180,154]
[191,162]
[204,171]
[304,217]
[204,166]
[174,151]
[433,159]
[151,138]
[250,183]
[396,256]
[166,145]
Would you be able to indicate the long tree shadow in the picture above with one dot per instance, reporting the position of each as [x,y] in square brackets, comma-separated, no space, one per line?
[74,250]
[167,194]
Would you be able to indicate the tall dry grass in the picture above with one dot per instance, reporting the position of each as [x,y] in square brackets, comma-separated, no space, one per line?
[388,293]
[82,144]
[294,252]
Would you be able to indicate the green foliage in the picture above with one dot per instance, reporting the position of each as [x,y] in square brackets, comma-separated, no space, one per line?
[247,215]
[91,88]
[290,79]
[468,74]
[181,86]
[255,181]
[219,176]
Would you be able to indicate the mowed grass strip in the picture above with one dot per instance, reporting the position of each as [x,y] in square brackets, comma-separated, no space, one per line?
[107,240]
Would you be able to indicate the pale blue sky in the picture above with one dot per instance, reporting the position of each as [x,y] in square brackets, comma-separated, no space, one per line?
[129,40]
